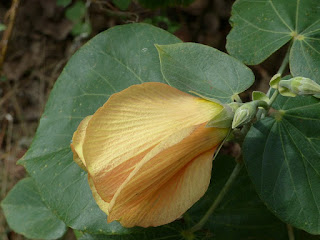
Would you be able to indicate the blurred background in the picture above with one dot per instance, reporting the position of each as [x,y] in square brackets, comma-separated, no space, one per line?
[37,38]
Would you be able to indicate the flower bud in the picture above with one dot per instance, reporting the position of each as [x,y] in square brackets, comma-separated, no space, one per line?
[298,86]
[245,113]
[148,153]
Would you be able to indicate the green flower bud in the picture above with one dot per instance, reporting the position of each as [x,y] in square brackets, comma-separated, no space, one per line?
[305,86]
[299,86]
[245,113]
[242,116]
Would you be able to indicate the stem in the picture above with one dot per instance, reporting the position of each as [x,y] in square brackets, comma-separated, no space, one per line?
[263,104]
[285,60]
[273,97]
[111,11]
[290,232]
[7,33]
[261,113]
[217,201]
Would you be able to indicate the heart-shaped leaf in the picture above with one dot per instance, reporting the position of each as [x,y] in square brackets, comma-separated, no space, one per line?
[261,27]
[27,214]
[205,70]
[284,162]
[110,62]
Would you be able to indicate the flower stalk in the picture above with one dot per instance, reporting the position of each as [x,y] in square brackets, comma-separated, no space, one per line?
[223,192]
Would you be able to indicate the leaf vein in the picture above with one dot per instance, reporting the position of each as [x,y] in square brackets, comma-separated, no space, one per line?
[279,16]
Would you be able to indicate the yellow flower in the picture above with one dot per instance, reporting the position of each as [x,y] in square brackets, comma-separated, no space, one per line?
[148,153]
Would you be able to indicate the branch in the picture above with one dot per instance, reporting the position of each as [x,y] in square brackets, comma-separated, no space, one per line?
[7,33]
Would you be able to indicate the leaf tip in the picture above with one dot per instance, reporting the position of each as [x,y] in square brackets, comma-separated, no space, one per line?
[159,48]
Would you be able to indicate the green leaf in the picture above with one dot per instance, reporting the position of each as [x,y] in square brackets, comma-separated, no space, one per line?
[261,27]
[122,4]
[110,62]
[205,70]
[305,54]
[282,155]
[76,12]
[172,231]
[27,214]
[63,3]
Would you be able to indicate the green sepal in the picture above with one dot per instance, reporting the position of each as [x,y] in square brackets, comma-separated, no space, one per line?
[285,89]
[275,81]
[257,95]
[223,119]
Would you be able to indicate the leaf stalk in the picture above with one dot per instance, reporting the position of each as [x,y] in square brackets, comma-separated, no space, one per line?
[273,97]
[285,60]
[290,232]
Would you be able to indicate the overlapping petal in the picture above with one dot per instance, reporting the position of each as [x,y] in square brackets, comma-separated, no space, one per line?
[104,206]
[168,180]
[77,142]
[131,123]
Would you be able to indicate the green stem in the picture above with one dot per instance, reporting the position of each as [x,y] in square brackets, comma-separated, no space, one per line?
[217,201]
[273,97]
[261,113]
[263,104]
[290,232]
[285,60]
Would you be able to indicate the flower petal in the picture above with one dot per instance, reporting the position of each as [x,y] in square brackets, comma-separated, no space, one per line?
[102,204]
[169,179]
[131,123]
[77,142]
